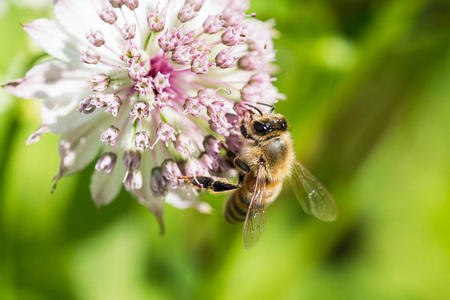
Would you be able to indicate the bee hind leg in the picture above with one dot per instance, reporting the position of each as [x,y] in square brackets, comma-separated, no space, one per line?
[213,185]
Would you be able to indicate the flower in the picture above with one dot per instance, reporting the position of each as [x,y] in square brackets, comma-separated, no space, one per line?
[148,89]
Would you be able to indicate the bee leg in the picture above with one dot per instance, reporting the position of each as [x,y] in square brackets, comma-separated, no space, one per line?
[213,185]
[242,167]
[244,131]
[241,179]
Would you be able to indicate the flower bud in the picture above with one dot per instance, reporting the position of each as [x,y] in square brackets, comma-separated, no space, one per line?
[200,64]
[132,180]
[232,17]
[132,159]
[89,56]
[184,144]
[164,99]
[110,135]
[233,120]
[142,140]
[85,105]
[113,104]
[221,126]
[216,110]
[116,3]
[168,41]
[144,85]
[225,59]
[193,106]
[234,34]
[131,4]
[208,163]
[106,162]
[171,173]
[193,168]
[95,37]
[165,132]
[198,46]
[212,146]
[98,82]
[184,35]
[129,53]
[98,100]
[182,55]
[156,20]
[187,13]
[197,4]
[140,110]
[213,24]
[157,183]
[128,31]
[161,81]
[137,70]
[108,15]
[250,62]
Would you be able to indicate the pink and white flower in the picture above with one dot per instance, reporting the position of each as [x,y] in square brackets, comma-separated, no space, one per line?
[162,71]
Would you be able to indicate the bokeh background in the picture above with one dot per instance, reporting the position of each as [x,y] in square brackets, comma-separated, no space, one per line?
[368,89]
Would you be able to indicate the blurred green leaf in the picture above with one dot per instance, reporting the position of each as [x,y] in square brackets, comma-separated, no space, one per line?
[367,84]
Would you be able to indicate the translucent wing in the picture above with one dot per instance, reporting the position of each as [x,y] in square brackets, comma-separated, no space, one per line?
[313,196]
[254,224]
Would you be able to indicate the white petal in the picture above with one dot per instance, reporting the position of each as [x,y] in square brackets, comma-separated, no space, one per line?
[36,136]
[185,198]
[78,147]
[208,8]
[49,79]
[59,114]
[105,187]
[80,16]
[144,195]
[55,40]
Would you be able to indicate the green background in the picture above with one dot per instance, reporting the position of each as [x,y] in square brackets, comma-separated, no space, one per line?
[368,89]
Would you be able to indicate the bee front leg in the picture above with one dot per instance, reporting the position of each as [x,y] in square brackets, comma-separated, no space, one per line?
[242,167]
[213,185]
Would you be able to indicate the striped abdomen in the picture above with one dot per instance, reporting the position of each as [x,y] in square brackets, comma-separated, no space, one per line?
[237,205]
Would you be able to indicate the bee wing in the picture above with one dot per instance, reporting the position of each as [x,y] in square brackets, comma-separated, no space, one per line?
[254,224]
[313,196]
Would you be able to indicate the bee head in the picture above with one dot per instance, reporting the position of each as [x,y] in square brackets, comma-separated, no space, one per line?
[262,126]
[265,124]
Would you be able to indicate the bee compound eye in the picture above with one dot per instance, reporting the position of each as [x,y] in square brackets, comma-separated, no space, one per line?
[259,127]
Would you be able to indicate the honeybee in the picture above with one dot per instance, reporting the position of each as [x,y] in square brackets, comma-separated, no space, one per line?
[266,159]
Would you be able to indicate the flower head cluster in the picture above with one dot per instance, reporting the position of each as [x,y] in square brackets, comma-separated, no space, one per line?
[148,89]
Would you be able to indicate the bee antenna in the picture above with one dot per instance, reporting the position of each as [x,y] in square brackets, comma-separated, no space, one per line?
[255,108]
[272,108]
